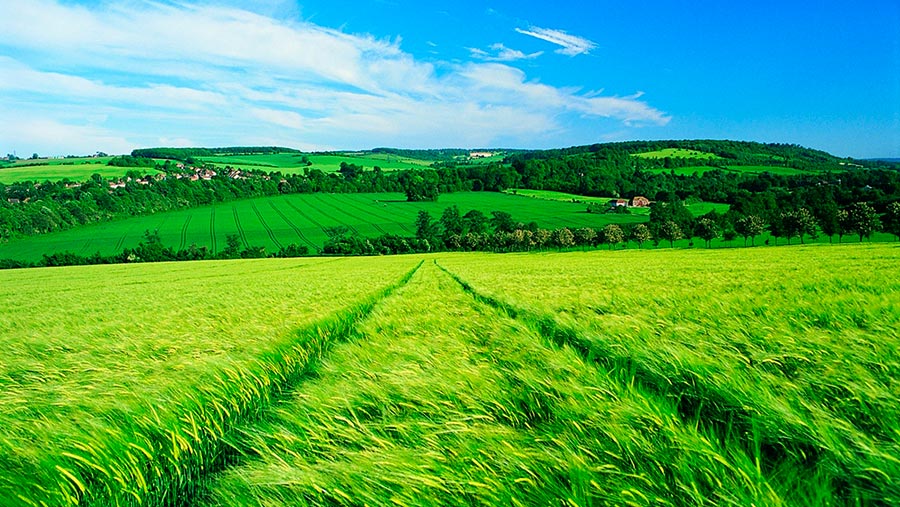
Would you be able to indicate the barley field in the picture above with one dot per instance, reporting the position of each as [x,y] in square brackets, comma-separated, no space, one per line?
[685,377]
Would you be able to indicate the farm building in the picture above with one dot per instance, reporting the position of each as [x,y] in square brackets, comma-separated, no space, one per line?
[640,201]
[615,203]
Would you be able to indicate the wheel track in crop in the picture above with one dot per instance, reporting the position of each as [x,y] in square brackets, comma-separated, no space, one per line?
[292,226]
[212,229]
[339,210]
[305,215]
[118,247]
[697,403]
[387,211]
[266,226]
[365,212]
[184,229]
[237,223]
[175,478]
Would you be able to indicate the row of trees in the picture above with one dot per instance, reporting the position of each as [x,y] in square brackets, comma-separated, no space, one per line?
[672,221]
[152,249]
[605,170]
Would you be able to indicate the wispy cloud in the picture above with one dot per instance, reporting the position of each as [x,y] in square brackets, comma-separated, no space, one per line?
[130,74]
[500,53]
[571,44]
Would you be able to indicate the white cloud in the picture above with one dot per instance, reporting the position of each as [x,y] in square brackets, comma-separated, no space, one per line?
[66,138]
[225,76]
[501,53]
[571,44]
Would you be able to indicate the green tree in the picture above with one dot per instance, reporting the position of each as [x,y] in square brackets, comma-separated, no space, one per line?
[420,185]
[232,247]
[844,224]
[708,230]
[426,227]
[805,223]
[670,231]
[863,219]
[584,236]
[475,221]
[750,226]
[563,238]
[828,218]
[892,219]
[641,233]
[451,223]
[502,221]
[612,235]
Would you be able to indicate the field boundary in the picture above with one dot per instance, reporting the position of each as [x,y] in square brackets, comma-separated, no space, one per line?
[703,406]
[181,458]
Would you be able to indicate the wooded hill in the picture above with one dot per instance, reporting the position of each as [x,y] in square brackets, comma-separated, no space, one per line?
[817,181]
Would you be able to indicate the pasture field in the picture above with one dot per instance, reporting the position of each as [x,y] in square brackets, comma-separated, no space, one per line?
[751,169]
[682,378]
[676,153]
[117,384]
[292,163]
[75,169]
[552,195]
[696,209]
[297,218]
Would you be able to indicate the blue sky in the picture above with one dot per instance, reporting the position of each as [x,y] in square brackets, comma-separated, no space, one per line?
[78,76]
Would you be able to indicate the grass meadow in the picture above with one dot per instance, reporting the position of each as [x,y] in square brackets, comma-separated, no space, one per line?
[75,169]
[676,153]
[297,218]
[291,163]
[686,377]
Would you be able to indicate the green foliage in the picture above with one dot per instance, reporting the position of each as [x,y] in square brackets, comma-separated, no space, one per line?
[640,233]
[670,231]
[707,229]
[612,235]
[750,226]
[862,219]
[892,219]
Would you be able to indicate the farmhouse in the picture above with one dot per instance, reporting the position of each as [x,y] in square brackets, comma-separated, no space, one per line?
[615,203]
[640,201]
[480,154]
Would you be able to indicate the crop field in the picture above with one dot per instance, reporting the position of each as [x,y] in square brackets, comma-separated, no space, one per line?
[723,377]
[75,169]
[298,218]
[751,169]
[676,153]
[116,380]
[697,209]
[552,195]
[289,163]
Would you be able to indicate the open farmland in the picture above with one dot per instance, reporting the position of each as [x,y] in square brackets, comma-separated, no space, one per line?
[743,377]
[748,169]
[75,169]
[297,218]
[676,153]
[290,163]
[117,383]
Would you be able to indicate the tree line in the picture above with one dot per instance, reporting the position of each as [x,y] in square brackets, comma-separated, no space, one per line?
[599,170]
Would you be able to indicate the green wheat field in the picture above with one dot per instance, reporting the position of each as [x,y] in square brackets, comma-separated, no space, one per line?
[763,377]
